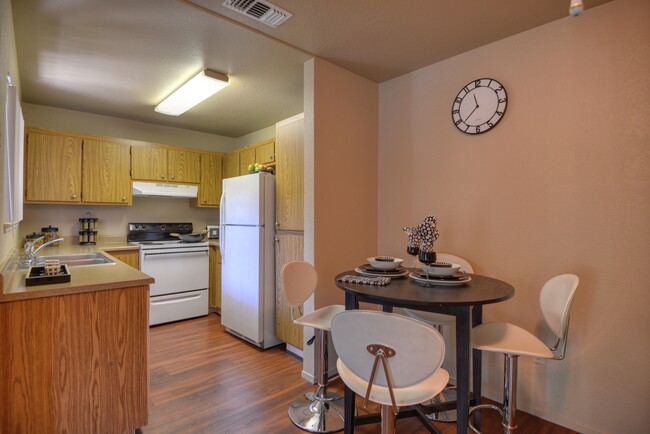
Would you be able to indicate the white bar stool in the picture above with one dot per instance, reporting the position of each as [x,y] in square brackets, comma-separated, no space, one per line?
[555,301]
[321,411]
[409,351]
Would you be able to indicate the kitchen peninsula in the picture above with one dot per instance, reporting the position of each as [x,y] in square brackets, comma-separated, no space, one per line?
[75,354]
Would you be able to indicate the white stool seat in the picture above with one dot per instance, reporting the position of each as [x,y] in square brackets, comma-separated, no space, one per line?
[501,337]
[404,396]
[321,318]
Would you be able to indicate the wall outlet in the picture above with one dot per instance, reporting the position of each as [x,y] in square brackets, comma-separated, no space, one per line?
[539,360]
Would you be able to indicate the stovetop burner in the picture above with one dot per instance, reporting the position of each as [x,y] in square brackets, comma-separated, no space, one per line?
[160,233]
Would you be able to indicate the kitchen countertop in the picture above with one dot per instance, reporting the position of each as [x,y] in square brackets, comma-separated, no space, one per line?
[87,278]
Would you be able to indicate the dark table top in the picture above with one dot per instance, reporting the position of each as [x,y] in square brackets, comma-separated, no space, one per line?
[405,292]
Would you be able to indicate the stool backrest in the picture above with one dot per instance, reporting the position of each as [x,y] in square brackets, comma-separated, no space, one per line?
[453,259]
[420,349]
[555,300]
[299,280]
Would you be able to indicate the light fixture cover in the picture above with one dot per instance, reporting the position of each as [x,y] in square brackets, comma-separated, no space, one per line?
[576,7]
[200,87]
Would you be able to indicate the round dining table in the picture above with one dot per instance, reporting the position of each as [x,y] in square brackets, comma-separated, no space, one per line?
[464,302]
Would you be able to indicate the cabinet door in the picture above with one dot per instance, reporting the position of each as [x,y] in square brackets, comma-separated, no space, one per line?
[231,165]
[265,153]
[210,187]
[289,247]
[246,157]
[106,174]
[52,167]
[129,257]
[148,163]
[183,166]
[214,291]
[289,174]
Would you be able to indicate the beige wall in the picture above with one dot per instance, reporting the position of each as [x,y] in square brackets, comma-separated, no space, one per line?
[8,65]
[255,137]
[341,107]
[561,185]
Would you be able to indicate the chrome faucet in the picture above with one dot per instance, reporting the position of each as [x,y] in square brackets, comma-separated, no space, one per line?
[30,252]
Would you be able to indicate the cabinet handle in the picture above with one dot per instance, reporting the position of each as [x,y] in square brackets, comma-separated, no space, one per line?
[74,196]
[123,198]
[162,176]
[172,176]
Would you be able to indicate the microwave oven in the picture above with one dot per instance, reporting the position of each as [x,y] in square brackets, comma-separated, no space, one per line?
[213,231]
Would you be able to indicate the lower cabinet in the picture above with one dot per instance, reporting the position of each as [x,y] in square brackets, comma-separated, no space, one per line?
[289,247]
[214,292]
[75,363]
[129,257]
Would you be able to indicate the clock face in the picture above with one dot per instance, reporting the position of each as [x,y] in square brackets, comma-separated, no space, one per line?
[479,106]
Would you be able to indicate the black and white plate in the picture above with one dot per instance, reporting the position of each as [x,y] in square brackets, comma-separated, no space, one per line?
[367,270]
[455,280]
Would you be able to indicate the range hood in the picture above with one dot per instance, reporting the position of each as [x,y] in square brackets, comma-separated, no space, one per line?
[154,189]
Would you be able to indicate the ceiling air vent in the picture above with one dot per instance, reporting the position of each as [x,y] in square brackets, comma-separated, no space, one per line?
[259,10]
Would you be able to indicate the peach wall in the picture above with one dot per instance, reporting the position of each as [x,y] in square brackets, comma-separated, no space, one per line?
[561,185]
[344,115]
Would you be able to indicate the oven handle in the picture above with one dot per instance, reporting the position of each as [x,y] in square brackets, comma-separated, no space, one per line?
[176,299]
[183,253]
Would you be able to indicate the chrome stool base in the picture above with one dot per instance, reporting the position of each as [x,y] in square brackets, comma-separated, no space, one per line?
[318,414]
[448,394]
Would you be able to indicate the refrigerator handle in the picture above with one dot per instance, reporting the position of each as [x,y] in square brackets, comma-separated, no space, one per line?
[222,228]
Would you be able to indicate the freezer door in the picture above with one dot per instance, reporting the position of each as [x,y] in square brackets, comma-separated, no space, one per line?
[243,202]
[242,271]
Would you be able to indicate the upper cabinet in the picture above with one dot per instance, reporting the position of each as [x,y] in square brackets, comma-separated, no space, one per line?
[106,177]
[158,163]
[211,177]
[184,166]
[289,174]
[53,167]
[231,165]
[246,158]
[265,152]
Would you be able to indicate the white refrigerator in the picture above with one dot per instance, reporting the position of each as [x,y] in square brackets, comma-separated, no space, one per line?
[246,240]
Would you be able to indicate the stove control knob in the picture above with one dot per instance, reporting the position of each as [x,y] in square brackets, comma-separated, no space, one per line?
[163,227]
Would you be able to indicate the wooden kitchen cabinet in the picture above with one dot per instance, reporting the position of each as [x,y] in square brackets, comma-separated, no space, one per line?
[214,290]
[52,167]
[211,181]
[148,163]
[129,257]
[106,172]
[265,152]
[288,247]
[289,173]
[158,163]
[183,166]
[246,158]
[75,363]
[231,165]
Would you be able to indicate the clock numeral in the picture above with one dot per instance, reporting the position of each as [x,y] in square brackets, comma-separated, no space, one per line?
[478,129]
[466,89]
[458,100]
[455,111]
[499,113]
[458,122]
[499,89]
[502,100]
[490,124]
[477,83]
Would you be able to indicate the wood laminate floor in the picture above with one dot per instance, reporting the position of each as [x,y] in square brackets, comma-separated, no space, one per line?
[204,380]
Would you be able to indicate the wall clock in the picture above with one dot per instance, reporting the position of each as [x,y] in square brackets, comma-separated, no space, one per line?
[479,106]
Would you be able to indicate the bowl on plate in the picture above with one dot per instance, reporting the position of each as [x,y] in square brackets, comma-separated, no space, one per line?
[385,262]
[441,269]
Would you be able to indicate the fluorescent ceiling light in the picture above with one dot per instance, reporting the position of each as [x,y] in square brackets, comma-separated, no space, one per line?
[202,86]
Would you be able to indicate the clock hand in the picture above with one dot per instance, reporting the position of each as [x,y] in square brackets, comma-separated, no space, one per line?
[475,100]
[471,113]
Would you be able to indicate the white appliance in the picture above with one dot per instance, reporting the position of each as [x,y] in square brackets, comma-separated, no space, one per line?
[246,241]
[180,270]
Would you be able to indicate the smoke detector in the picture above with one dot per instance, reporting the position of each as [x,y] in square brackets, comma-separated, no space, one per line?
[259,10]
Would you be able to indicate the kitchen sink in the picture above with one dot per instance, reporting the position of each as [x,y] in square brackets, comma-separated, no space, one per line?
[77,260]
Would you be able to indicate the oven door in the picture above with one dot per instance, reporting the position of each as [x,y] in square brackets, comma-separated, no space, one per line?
[176,270]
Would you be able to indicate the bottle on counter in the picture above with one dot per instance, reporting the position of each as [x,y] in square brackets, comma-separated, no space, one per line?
[50,233]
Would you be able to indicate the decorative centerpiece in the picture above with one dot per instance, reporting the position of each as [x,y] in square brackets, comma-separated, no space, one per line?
[428,233]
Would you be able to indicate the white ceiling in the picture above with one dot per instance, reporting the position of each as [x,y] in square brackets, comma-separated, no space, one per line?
[122,57]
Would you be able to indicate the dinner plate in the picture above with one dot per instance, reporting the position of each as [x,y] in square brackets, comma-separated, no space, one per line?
[382,273]
[440,282]
[423,275]
[370,269]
